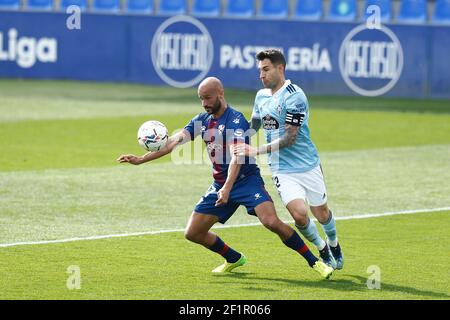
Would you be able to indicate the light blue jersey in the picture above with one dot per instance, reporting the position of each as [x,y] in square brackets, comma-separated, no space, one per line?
[288,105]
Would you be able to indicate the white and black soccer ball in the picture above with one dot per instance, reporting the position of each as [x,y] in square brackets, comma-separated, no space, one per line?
[152,135]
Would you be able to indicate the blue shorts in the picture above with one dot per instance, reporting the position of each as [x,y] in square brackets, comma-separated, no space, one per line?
[249,192]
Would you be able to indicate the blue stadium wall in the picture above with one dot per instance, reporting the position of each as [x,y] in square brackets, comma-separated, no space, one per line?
[324,58]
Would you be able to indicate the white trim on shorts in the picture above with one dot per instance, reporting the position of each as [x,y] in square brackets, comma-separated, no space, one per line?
[308,186]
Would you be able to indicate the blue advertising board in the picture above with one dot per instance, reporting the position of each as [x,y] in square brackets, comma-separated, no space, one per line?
[322,57]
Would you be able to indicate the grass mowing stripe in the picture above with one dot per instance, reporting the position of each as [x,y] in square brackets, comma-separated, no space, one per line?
[73,99]
[410,257]
[24,109]
[20,109]
[95,142]
[56,204]
[124,235]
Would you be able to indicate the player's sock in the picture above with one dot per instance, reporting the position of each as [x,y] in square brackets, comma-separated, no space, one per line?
[329,228]
[311,233]
[296,243]
[336,250]
[225,251]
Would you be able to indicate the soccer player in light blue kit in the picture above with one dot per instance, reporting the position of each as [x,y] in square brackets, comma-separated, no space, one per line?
[282,110]
[236,180]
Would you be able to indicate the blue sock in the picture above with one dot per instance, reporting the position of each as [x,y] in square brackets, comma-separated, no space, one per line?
[311,233]
[296,243]
[329,228]
[225,251]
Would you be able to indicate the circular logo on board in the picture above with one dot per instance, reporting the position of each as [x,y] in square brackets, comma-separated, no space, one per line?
[182,51]
[371,60]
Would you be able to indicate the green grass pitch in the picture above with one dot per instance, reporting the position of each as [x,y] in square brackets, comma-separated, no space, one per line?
[59,180]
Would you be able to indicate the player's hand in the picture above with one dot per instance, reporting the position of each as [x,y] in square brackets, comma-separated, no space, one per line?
[222,197]
[243,149]
[130,158]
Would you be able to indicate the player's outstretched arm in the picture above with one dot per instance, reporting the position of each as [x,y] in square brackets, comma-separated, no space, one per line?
[173,141]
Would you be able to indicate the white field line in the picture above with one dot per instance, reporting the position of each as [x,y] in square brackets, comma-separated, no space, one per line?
[359,216]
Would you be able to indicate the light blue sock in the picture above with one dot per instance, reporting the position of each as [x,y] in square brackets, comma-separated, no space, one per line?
[329,228]
[311,233]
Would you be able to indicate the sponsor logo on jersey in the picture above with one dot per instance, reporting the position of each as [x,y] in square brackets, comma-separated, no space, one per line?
[214,149]
[270,123]
[300,107]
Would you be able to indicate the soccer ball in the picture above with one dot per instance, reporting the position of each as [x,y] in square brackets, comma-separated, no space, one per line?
[152,135]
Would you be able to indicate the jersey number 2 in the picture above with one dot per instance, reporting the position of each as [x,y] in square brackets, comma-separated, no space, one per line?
[277,182]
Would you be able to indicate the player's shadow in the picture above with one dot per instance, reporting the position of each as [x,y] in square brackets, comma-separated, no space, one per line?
[402,289]
[359,284]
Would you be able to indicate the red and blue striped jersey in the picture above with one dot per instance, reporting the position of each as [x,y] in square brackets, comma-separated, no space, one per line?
[218,134]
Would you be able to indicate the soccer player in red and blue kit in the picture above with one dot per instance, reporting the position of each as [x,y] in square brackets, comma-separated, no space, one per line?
[237,181]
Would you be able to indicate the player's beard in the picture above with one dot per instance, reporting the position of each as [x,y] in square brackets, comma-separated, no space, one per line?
[215,108]
[273,81]
[270,84]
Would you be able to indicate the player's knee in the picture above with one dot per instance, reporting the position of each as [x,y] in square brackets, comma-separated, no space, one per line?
[299,212]
[191,235]
[187,235]
[300,217]
[321,213]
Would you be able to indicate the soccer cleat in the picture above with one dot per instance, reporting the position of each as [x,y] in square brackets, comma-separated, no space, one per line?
[324,270]
[227,267]
[327,257]
[338,257]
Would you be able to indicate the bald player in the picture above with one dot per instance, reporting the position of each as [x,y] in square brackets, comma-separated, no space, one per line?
[237,180]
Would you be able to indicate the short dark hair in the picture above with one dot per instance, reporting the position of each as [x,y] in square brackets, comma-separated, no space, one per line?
[275,56]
